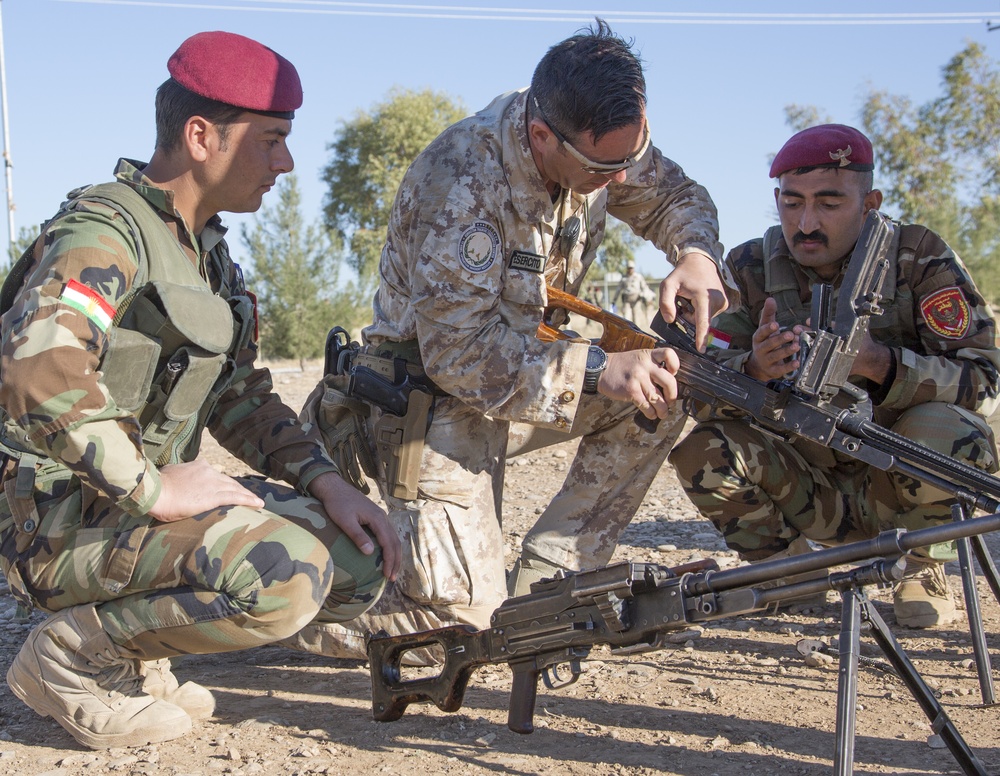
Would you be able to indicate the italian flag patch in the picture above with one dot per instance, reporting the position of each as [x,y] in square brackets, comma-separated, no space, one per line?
[88,302]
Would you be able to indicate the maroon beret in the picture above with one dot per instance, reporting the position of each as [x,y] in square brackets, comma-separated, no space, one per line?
[238,71]
[828,145]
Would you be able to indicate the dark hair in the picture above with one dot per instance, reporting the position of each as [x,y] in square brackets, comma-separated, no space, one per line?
[866,181]
[175,105]
[591,82]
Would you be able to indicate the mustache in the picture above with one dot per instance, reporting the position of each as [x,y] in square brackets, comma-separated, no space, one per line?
[812,237]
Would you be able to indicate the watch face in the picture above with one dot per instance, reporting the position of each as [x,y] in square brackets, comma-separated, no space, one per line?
[596,358]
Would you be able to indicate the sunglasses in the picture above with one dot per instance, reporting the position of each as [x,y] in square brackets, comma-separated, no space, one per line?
[589,165]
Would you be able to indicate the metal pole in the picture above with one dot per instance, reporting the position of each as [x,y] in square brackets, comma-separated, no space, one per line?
[7,164]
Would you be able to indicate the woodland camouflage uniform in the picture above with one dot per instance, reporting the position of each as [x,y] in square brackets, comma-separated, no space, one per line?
[762,493]
[227,579]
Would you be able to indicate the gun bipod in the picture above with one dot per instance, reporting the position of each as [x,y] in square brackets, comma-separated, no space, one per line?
[967,546]
[855,610]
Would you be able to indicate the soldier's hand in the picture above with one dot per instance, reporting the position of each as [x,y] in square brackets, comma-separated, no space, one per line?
[695,278]
[351,511]
[189,489]
[775,352]
[874,360]
[643,377]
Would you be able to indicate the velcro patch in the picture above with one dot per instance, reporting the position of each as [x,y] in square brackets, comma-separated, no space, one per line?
[478,246]
[718,339]
[89,302]
[947,312]
[529,262]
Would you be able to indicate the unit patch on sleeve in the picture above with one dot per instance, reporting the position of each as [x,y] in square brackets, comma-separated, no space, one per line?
[89,302]
[947,312]
[478,246]
[529,262]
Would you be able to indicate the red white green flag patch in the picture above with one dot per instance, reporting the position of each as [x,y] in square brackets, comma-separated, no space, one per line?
[718,339]
[88,302]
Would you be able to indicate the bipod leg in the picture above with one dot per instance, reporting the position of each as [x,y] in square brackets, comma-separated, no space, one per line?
[940,721]
[986,564]
[847,681]
[959,511]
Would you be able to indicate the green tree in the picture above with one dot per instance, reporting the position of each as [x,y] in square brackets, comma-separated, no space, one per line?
[369,156]
[939,163]
[617,248]
[296,279]
[26,237]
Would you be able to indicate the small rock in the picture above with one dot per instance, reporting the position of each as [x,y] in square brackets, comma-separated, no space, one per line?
[936,742]
[818,659]
[680,637]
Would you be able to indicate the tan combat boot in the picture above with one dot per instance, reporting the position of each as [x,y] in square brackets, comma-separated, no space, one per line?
[923,598]
[798,546]
[160,682]
[70,669]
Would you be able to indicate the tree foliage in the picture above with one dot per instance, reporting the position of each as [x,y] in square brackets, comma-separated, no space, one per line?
[26,237]
[617,248]
[369,156]
[296,278]
[939,163]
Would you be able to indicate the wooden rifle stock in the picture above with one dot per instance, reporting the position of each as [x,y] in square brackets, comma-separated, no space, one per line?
[618,335]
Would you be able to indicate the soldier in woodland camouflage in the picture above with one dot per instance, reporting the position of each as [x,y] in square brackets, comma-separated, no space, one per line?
[129,331]
[930,366]
[499,205]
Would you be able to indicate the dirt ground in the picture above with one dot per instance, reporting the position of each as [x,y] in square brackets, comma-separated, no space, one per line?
[734,697]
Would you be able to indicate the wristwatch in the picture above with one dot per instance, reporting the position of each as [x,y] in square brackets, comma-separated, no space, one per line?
[597,361]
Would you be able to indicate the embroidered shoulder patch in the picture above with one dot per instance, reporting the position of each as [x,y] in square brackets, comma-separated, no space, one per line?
[478,246]
[947,312]
[89,302]
[529,262]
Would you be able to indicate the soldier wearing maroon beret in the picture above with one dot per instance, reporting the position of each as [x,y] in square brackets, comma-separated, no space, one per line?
[128,332]
[929,364]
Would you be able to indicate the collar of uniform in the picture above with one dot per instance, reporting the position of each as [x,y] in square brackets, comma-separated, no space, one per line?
[130,171]
[780,269]
[527,189]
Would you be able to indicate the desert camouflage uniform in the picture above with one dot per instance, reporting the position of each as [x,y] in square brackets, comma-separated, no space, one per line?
[633,293]
[473,239]
[762,493]
[227,579]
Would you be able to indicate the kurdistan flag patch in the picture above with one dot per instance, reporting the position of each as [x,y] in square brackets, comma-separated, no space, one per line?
[88,302]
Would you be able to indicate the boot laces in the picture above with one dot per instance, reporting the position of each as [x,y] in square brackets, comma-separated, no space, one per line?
[931,577]
[117,675]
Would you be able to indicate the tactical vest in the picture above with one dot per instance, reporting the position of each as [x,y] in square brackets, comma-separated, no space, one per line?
[173,342]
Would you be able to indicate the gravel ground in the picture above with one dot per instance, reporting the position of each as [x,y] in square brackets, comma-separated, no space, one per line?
[734,697]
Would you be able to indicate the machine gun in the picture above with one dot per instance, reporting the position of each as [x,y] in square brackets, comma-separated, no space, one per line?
[632,607]
[819,403]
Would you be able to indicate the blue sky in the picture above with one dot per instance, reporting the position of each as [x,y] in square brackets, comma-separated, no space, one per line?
[81,74]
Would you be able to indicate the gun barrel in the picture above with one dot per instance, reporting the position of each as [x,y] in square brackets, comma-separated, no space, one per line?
[886,544]
[928,465]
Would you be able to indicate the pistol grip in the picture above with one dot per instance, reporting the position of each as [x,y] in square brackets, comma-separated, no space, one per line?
[523,691]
